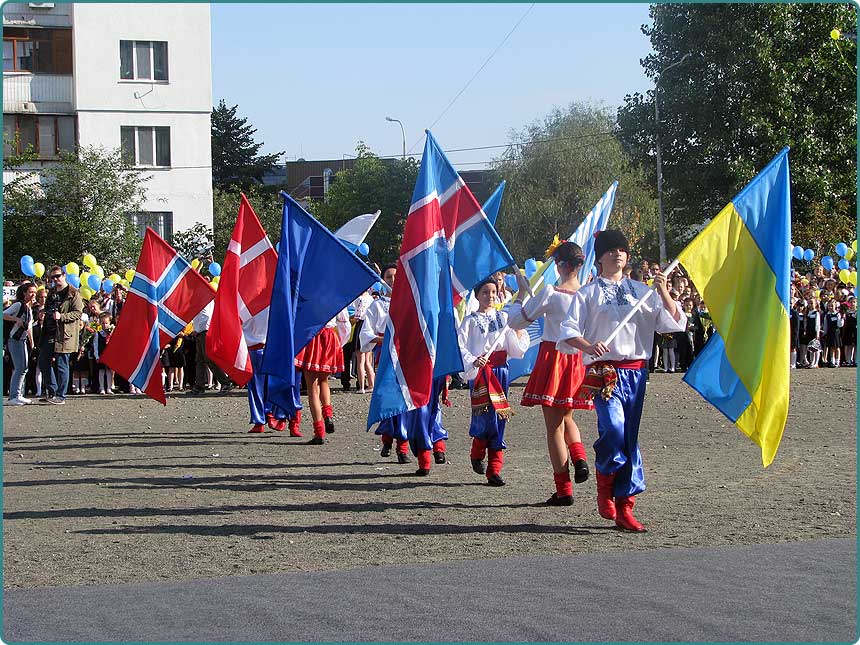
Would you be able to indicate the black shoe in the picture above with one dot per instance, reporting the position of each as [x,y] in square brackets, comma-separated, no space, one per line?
[555,500]
[386,451]
[495,480]
[478,466]
[345,387]
[316,441]
[439,457]
[329,425]
[195,392]
[403,458]
[227,388]
[422,472]
[580,471]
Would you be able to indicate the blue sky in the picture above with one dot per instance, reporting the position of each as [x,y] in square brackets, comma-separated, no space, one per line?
[316,78]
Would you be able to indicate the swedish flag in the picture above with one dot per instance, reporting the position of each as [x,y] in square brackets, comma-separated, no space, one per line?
[740,265]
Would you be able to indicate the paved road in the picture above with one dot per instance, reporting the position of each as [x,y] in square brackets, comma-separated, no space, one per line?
[802,591]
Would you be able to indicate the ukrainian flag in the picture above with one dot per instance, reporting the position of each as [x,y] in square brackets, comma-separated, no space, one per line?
[740,265]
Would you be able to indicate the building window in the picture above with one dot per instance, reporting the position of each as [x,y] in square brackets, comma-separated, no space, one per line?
[161,223]
[39,51]
[46,133]
[143,60]
[146,146]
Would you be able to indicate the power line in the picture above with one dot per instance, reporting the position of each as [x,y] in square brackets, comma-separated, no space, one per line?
[475,75]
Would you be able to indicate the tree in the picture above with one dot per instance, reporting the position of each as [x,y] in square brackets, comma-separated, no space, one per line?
[194,242]
[236,158]
[267,205]
[760,77]
[556,172]
[372,184]
[82,205]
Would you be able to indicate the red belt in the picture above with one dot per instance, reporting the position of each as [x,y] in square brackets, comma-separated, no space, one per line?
[635,364]
[498,359]
[257,346]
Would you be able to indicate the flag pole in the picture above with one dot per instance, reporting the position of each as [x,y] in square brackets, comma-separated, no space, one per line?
[638,305]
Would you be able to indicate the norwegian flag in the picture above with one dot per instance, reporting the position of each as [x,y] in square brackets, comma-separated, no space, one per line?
[448,247]
[165,294]
[241,315]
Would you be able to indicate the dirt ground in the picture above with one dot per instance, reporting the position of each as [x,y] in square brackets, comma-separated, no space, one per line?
[120,489]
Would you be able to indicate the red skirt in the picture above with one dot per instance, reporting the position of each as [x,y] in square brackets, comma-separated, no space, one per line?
[322,354]
[556,380]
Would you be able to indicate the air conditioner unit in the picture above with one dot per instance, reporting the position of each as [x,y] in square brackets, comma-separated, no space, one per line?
[41,5]
[29,107]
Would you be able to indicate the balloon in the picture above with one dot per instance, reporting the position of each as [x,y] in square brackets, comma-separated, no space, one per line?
[87,293]
[844,274]
[849,255]
[129,275]
[124,283]
[73,280]
[827,262]
[377,286]
[539,264]
[194,264]
[531,267]
[94,282]
[841,249]
[99,271]
[843,263]
[511,282]
[797,252]
[854,246]
[85,276]
[90,261]
[215,268]
[216,279]
[27,266]
[856,292]
[107,286]
[39,269]
[808,255]
[852,278]
[72,268]
[214,285]
[114,277]
[362,249]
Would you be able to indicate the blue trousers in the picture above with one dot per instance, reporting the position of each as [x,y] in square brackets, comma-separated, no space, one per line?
[55,378]
[489,426]
[393,427]
[424,424]
[617,445]
[258,395]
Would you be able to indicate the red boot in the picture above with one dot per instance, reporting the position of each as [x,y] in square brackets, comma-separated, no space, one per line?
[624,518]
[258,428]
[280,425]
[271,421]
[606,496]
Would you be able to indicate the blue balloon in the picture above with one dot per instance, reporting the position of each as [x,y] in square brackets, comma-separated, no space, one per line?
[797,252]
[856,291]
[27,267]
[94,282]
[531,267]
[841,249]
[363,249]
[107,286]
[808,255]
[74,280]
[511,282]
[277,247]
[214,268]
[843,264]
[827,262]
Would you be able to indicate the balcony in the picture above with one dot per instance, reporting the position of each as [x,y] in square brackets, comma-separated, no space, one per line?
[38,93]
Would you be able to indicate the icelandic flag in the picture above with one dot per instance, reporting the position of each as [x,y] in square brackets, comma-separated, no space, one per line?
[494,203]
[448,247]
[316,277]
[163,298]
[352,233]
[518,367]
[241,315]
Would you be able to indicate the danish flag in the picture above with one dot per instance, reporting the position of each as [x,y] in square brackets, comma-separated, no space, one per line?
[165,294]
[241,315]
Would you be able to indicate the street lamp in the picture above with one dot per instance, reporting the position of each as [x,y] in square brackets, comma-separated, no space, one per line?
[661,229]
[402,132]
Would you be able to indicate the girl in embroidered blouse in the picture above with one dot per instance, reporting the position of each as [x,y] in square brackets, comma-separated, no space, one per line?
[556,379]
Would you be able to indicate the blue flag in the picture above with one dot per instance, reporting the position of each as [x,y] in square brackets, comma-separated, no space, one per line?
[316,277]
[494,203]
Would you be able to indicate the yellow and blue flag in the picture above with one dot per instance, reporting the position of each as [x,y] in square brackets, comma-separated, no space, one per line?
[741,268]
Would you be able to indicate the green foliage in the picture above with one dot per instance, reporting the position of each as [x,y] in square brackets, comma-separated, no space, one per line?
[552,185]
[760,77]
[267,205]
[195,242]
[80,206]
[236,159]
[372,184]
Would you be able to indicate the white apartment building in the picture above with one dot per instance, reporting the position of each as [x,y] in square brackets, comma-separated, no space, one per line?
[131,76]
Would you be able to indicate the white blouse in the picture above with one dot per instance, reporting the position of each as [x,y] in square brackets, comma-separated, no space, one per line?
[375,319]
[598,308]
[479,331]
[552,303]
[361,304]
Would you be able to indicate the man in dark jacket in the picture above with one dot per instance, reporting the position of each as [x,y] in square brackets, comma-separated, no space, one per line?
[60,335]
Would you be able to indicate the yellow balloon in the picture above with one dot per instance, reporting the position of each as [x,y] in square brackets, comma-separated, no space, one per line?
[843,276]
[38,269]
[85,278]
[129,275]
[849,255]
[72,268]
[214,285]
[649,282]
[835,34]
[90,261]
[114,277]
[86,293]
[854,246]
[852,278]
[216,279]
[99,272]
[124,283]
[195,263]
[539,264]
